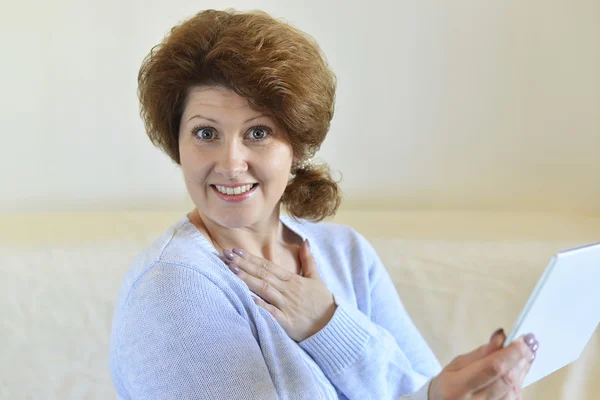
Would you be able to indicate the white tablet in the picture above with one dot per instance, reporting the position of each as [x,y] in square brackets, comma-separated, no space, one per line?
[563,310]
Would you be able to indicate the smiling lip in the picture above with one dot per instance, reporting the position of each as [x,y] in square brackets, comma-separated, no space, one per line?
[235,198]
[234,185]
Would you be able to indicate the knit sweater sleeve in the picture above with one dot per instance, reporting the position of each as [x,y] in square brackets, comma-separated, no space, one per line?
[183,338]
[378,353]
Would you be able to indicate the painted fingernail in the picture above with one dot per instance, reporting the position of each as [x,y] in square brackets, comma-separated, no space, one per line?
[239,252]
[499,331]
[529,339]
[234,269]
[228,255]
[535,346]
[532,357]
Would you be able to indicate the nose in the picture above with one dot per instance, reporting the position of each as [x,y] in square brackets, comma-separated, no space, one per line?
[231,160]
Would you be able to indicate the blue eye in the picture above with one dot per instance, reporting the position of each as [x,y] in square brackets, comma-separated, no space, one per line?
[204,133]
[258,132]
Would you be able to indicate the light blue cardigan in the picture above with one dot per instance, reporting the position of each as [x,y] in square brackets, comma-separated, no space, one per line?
[185,327]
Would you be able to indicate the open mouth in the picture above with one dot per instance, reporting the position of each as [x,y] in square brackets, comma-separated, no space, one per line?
[234,194]
[229,191]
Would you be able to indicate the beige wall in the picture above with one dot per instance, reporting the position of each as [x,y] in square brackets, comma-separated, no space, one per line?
[447,105]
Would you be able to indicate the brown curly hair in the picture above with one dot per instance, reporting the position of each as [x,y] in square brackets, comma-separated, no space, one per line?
[279,69]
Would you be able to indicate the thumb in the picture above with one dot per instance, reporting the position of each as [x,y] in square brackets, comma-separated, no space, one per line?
[483,351]
[309,267]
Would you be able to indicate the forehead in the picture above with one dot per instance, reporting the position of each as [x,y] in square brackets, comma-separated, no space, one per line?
[218,100]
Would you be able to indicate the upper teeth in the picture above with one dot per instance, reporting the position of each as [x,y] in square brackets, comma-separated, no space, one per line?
[231,191]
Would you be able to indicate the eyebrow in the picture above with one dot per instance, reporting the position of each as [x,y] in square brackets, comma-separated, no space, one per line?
[216,122]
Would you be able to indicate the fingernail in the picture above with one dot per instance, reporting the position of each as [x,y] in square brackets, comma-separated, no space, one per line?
[529,339]
[535,346]
[307,243]
[234,269]
[228,255]
[532,357]
[239,252]
[499,331]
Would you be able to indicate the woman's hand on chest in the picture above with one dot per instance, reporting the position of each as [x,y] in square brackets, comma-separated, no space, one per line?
[302,305]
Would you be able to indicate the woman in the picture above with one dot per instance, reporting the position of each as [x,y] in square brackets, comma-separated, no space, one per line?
[235,301]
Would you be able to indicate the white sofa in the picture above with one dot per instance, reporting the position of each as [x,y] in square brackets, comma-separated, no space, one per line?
[460,275]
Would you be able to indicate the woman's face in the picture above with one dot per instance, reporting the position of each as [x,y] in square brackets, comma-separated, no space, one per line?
[235,160]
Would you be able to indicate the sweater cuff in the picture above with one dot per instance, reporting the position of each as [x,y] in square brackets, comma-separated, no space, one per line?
[421,394]
[340,343]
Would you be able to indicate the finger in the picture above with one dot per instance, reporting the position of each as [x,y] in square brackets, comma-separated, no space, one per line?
[517,375]
[523,371]
[481,352]
[508,386]
[262,272]
[493,367]
[258,262]
[274,311]
[261,287]
[499,389]
[309,267]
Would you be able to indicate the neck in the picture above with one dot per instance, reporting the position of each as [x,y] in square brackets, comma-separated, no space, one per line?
[264,239]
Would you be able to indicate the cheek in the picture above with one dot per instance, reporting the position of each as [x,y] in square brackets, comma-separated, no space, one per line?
[193,165]
[277,165]
[185,155]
